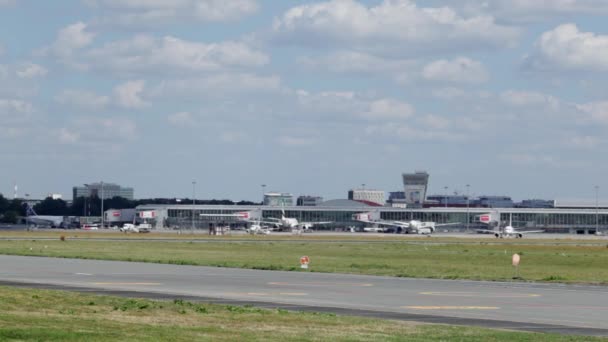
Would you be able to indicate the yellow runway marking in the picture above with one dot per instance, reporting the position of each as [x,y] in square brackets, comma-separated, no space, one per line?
[141,284]
[321,284]
[451,307]
[481,295]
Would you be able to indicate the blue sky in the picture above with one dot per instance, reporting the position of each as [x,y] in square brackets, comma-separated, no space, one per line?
[308,97]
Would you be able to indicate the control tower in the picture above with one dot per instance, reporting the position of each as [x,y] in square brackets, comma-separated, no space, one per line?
[415,186]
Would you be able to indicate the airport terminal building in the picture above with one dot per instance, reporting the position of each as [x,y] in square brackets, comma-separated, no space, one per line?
[340,214]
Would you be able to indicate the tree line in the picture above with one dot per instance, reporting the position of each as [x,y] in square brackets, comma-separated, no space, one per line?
[12,210]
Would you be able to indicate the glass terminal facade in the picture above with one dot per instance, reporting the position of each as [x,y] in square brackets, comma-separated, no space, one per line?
[551,220]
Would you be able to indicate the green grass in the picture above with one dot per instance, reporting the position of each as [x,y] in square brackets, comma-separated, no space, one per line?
[472,259]
[39,315]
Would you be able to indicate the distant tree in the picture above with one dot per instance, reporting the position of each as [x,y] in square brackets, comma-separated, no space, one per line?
[4,204]
[9,217]
[16,205]
[119,203]
[50,206]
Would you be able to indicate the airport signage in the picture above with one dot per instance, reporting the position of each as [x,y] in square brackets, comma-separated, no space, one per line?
[304,262]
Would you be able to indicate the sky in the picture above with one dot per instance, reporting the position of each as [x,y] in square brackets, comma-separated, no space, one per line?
[306,97]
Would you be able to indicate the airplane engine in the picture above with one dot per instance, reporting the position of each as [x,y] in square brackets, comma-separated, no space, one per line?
[497,235]
[520,236]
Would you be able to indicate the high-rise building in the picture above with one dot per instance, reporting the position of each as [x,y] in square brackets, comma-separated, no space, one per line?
[373,196]
[278,199]
[107,190]
[415,186]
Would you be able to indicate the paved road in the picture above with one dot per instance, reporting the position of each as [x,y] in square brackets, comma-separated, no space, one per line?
[534,307]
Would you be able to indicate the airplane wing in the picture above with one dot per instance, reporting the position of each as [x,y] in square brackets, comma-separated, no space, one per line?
[313,223]
[389,223]
[530,231]
[446,224]
[487,231]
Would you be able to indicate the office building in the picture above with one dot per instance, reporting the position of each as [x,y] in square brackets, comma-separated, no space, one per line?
[107,190]
[364,195]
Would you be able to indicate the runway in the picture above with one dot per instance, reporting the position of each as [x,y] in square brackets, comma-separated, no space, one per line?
[565,309]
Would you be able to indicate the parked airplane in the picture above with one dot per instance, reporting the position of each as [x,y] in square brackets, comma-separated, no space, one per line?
[406,227]
[493,219]
[34,219]
[284,223]
[289,223]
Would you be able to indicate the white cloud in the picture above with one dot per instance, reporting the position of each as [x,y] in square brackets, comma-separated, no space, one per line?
[170,55]
[69,39]
[83,99]
[458,70]
[567,48]
[181,119]
[531,11]
[68,137]
[15,108]
[7,3]
[31,70]
[529,99]
[223,85]
[387,109]
[392,26]
[358,62]
[231,137]
[596,111]
[94,130]
[128,94]
[294,141]
[151,13]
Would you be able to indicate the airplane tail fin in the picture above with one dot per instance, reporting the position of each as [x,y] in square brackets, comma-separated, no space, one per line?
[29,211]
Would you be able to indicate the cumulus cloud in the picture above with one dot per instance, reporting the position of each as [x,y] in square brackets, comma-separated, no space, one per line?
[459,70]
[15,108]
[94,130]
[394,26]
[68,137]
[151,13]
[388,109]
[529,99]
[596,111]
[181,119]
[222,84]
[519,11]
[70,39]
[568,48]
[83,99]
[31,70]
[358,62]
[145,53]
[128,94]
[7,3]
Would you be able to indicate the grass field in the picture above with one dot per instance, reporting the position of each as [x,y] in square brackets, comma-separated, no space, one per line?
[470,259]
[39,315]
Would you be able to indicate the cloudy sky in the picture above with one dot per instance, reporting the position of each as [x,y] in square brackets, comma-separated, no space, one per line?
[308,97]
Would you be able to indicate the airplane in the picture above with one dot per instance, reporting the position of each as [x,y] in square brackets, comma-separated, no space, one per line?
[493,219]
[284,223]
[34,219]
[406,227]
[289,223]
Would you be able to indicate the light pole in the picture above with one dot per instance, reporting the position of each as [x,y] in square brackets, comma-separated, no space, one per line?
[597,216]
[468,206]
[102,213]
[193,201]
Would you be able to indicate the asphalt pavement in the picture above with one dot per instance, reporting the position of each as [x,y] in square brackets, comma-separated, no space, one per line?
[568,309]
